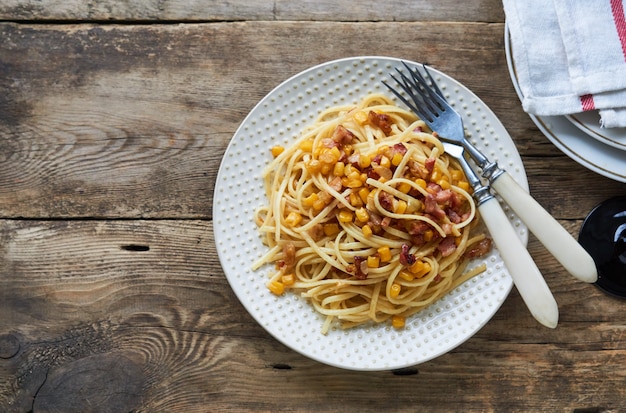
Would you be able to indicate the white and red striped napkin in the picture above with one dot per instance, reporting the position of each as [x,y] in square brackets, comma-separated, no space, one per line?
[570,56]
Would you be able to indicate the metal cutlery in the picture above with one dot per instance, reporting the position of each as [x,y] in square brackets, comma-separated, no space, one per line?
[526,276]
[428,102]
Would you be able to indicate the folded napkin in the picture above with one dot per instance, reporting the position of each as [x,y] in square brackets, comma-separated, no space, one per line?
[570,56]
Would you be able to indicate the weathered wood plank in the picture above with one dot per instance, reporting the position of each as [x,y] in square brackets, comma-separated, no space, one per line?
[238,10]
[132,121]
[89,323]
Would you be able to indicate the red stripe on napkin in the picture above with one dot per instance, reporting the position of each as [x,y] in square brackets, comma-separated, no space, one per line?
[587,102]
[617,8]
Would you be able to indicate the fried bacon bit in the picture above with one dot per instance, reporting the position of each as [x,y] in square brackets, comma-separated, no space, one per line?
[386,200]
[429,164]
[360,268]
[336,184]
[317,232]
[381,120]
[432,207]
[417,227]
[399,148]
[479,249]
[418,170]
[343,136]
[447,246]
[289,255]
[406,258]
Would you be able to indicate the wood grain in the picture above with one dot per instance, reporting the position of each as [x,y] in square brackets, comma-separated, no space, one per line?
[238,10]
[158,329]
[132,122]
[114,117]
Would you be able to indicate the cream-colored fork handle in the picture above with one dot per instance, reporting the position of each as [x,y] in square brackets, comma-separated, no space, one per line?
[526,276]
[548,231]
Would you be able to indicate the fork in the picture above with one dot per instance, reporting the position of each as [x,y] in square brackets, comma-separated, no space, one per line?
[428,102]
[528,280]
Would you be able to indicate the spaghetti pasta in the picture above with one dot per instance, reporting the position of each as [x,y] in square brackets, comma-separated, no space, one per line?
[367,217]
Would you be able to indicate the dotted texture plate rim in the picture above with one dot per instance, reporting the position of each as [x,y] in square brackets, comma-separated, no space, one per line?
[278,119]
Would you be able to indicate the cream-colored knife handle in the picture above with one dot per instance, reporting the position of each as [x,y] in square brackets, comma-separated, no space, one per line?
[548,231]
[526,276]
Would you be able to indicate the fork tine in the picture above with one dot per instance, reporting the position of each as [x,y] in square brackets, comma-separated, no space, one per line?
[419,103]
[432,91]
[433,84]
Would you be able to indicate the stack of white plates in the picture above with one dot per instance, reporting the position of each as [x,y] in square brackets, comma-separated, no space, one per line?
[580,136]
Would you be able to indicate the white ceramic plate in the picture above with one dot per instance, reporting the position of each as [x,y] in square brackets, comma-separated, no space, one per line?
[589,123]
[592,153]
[278,119]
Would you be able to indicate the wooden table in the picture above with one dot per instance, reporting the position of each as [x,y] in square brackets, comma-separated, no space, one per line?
[114,117]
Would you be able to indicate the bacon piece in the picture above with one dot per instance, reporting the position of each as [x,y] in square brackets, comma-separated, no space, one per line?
[429,164]
[399,148]
[360,268]
[479,249]
[406,258]
[447,246]
[342,136]
[432,207]
[336,184]
[317,232]
[381,120]
[289,255]
[417,170]
[417,227]
[386,200]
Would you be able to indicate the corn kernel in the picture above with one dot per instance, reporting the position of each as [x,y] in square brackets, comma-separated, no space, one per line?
[339,168]
[293,219]
[306,146]
[277,150]
[310,200]
[288,279]
[404,187]
[400,207]
[355,200]
[348,149]
[363,193]
[373,261]
[435,175]
[428,235]
[345,216]
[444,184]
[405,275]
[354,183]
[456,175]
[326,168]
[464,185]
[384,253]
[319,205]
[367,231]
[416,267]
[394,290]
[276,287]
[361,117]
[362,215]
[331,229]
[383,149]
[313,166]
[420,270]
[457,241]
[421,183]
[397,321]
[364,161]
[396,159]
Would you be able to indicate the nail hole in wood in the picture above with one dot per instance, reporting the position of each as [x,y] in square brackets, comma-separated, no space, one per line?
[136,248]
[280,366]
[405,372]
